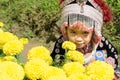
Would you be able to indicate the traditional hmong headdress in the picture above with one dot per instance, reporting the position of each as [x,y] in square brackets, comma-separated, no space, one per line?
[91,13]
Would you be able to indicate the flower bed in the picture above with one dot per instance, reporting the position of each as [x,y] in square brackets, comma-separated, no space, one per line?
[40,65]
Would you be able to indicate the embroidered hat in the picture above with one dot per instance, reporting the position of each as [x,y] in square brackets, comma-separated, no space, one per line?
[89,13]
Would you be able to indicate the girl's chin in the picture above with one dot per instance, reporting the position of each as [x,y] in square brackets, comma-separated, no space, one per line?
[80,46]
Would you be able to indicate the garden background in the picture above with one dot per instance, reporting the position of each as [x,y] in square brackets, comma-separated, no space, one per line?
[37,20]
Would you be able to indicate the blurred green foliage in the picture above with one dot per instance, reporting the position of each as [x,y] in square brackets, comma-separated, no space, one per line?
[31,18]
[112,30]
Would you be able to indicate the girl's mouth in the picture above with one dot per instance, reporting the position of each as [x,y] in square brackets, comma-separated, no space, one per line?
[80,45]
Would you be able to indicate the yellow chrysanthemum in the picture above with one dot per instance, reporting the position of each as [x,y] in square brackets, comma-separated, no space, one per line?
[1,31]
[41,53]
[5,37]
[79,76]
[4,75]
[75,56]
[53,71]
[73,67]
[68,45]
[1,60]
[1,24]
[57,78]
[24,40]
[13,47]
[35,68]
[9,58]
[100,70]
[13,70]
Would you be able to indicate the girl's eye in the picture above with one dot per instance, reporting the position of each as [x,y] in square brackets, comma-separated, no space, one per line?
[85,32]
[73,32]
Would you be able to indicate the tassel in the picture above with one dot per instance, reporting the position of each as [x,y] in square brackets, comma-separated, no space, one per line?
[60,1]
[107,15]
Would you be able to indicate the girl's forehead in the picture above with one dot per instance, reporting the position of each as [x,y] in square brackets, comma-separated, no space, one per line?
[80,27]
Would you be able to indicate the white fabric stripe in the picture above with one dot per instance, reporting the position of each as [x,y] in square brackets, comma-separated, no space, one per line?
[87,11]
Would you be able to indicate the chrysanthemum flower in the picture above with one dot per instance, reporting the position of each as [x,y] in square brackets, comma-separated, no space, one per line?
[100,70]
[24,40]
[35,69]
[41,53]
[54,71]
[1,24]
[79,76]
[73,67]
[4,75]
[13,47]
[9,58]
[13,70]
[58,77]
[75,56]
[1,31]
[5,37]
[1,60]
[68,45]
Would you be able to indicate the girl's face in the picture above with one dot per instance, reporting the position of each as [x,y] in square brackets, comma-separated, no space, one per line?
[79,35]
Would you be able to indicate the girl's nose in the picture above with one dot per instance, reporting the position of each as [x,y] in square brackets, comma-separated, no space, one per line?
[79,39]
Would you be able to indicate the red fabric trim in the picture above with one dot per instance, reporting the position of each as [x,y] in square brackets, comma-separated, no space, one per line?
[107,15]
[60,1]
[115,77]
[96,38]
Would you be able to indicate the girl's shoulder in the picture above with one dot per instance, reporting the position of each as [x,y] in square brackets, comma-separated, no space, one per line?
[106,44]
[58,50]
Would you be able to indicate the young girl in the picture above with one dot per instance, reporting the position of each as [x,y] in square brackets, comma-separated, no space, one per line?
[81,23]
